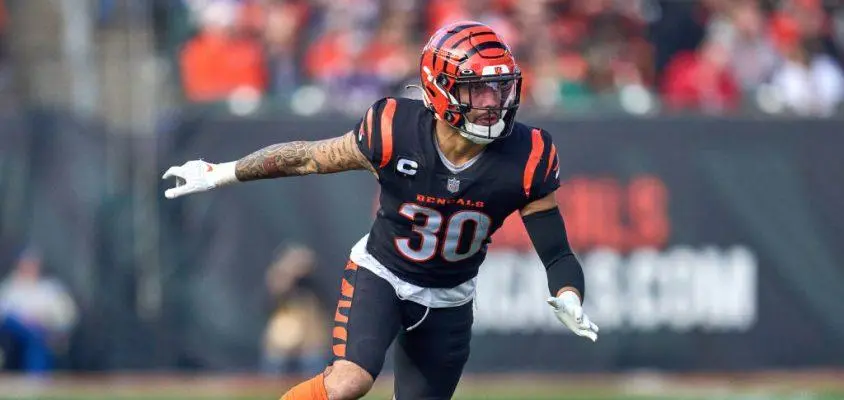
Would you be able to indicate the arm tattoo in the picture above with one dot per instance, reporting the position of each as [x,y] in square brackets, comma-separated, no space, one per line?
[303,158]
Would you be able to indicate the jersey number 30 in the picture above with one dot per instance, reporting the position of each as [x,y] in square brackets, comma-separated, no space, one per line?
[432,238]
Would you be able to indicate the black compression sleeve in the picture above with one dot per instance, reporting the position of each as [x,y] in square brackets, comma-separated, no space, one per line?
[547,231]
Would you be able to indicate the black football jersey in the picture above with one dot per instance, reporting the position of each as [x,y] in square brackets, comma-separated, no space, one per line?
[434,223]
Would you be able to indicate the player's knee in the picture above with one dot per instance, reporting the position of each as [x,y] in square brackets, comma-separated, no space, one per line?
[347,381]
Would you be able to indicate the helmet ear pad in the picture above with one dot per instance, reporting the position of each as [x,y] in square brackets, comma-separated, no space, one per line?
[445,83]
[455,114]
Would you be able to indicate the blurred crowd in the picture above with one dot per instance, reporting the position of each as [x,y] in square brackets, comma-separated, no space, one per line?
[634,56]
[37,316]
[5,75]
[295,340]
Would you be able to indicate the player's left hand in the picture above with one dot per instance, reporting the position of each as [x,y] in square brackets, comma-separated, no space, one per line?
[568,310]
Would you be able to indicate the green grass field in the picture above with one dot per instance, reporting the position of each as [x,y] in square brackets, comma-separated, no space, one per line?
[488,396]
[491,397]
[768,386]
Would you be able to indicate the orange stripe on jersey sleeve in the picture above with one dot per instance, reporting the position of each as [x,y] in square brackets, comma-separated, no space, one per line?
[552,158]
[369,128]
[387,132]
[536,146]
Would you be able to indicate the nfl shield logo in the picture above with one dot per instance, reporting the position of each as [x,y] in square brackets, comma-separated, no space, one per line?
[453,185]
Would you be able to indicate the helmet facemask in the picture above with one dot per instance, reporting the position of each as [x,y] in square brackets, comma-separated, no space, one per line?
[486,106]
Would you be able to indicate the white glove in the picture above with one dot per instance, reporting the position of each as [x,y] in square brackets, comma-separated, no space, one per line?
[198,176]
[568,310]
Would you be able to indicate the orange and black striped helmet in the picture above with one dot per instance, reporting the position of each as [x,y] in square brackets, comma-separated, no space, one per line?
[471,81]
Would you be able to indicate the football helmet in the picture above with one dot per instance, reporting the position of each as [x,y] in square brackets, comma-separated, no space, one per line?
[468,72]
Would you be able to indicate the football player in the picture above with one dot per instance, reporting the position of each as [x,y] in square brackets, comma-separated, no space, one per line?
[451,167]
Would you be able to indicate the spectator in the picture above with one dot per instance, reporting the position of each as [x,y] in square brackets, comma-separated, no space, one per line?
[294,341]
[283,26]
[219,61]
[37,312]
[809,83]
[701,81]
[752,56]
[441,12]
[389,54]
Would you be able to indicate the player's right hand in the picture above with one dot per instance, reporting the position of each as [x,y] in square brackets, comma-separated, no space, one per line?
[198,176]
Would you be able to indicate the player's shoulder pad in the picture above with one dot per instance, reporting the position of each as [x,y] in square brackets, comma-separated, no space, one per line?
[539,154]
[376,130]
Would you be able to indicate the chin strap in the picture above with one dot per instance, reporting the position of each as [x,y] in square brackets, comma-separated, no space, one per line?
[475,139]
[475,133]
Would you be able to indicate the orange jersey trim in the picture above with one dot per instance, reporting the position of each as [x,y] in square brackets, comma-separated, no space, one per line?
[369,128]
[387,132]
[536,146]
[552,157]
